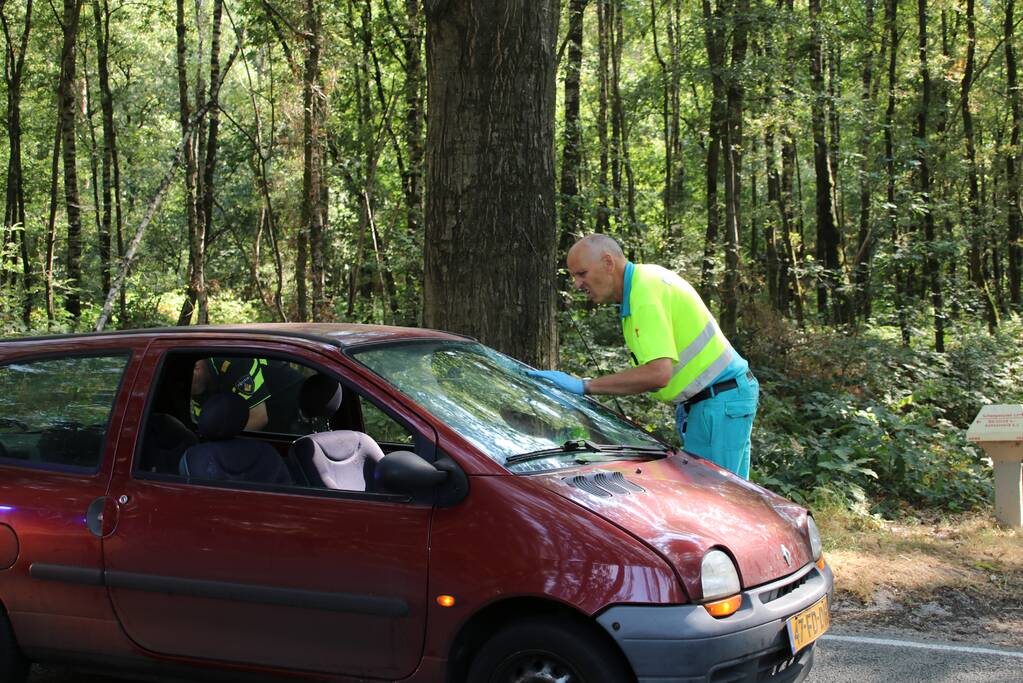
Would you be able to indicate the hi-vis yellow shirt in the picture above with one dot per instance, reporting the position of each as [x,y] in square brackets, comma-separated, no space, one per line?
[663,317]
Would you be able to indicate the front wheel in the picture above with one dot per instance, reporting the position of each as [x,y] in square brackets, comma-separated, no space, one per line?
[547,651]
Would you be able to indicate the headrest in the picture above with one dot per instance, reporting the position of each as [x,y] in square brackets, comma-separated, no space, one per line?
[320,396]
[223,416]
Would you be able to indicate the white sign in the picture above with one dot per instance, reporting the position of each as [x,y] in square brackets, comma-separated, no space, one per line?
[997,423]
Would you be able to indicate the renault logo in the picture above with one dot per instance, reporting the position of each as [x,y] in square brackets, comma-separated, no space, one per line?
[786,555]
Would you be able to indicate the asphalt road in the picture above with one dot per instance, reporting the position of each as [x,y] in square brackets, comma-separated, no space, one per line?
[841,658]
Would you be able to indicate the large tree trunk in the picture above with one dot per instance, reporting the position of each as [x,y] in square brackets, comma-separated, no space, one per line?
[15,229]
[490,210]
[1012,160]
[975,228]
[67,102]
[827,221]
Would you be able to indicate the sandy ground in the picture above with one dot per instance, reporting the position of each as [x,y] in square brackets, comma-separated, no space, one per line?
[954,578]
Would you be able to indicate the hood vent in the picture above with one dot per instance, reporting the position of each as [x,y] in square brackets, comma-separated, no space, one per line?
[604,484]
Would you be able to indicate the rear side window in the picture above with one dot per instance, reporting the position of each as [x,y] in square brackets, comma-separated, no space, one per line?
[54,412]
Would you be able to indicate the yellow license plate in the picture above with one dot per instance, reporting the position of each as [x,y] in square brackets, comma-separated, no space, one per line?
[808,625]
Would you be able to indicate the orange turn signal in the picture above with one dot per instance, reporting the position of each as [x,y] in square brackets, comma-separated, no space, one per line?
[821,563]
[724,608]
[446,600]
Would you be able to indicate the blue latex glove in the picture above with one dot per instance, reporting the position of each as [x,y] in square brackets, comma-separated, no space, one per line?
[559,379]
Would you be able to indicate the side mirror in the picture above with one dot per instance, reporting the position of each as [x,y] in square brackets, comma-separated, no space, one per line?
[406,472]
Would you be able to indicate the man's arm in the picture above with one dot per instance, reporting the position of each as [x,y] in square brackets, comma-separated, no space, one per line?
[257,418]
[638,380]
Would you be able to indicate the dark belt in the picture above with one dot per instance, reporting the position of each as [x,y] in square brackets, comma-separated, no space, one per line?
[713,390]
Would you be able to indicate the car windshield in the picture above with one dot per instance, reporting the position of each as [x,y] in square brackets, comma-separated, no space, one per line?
[489,399]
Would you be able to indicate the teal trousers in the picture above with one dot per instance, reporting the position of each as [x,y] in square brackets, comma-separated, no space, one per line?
[719,428]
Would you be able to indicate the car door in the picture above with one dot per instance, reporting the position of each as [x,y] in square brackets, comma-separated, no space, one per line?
[281,576]
[61,420]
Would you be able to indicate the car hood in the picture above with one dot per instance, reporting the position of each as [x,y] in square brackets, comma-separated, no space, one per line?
[684,506]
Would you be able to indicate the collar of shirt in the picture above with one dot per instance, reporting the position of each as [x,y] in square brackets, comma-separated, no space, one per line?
[624,308]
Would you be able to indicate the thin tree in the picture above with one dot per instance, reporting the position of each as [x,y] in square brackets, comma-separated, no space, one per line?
[1012,193]
[866,236]
[67,101]
[196,290]
[974,225]
[313,107]
[14,208]
[932,270]
[714,38]
[732,148]
[828,239]
[572,217]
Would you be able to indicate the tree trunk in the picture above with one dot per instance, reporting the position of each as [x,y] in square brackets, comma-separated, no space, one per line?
[1012,160]
[413,180]
[827,222]
[101,17]
[667,98]
[789,175]
[573,223]
[603,217]
[196,279]
[975,222]
[865,239]
[714,37]
[312,150]
[209,159]
[14,208]
[67,107]
[491,173]
[739,21]
[932,270]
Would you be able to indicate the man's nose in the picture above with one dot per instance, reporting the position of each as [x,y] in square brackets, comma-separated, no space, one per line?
[577,282]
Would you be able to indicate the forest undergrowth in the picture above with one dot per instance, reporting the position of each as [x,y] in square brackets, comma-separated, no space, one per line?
[851,420]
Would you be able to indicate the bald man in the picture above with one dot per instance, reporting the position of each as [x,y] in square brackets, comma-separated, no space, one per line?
[678,352]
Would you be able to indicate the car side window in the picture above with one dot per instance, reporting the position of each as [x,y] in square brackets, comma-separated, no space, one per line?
[54,412]
[226,419]
[383,428]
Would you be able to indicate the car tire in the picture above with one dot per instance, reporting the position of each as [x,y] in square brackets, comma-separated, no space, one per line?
[547,650]
[13,665]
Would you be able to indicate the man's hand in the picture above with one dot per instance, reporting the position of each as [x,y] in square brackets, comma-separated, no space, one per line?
[571,384]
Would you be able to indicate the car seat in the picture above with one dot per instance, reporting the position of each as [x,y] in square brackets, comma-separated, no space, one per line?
[341,459]
[222,455]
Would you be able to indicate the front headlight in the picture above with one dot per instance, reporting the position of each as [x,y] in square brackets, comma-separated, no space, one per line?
[815,538]
[718,576]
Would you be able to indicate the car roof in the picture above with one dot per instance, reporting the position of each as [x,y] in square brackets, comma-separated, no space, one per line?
[342,335]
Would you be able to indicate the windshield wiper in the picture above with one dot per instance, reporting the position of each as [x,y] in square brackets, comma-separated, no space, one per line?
[581,446]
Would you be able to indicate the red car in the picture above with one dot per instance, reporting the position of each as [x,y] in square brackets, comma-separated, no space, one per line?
[352,503]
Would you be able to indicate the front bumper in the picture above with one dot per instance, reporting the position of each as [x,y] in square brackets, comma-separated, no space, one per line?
[684,644]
